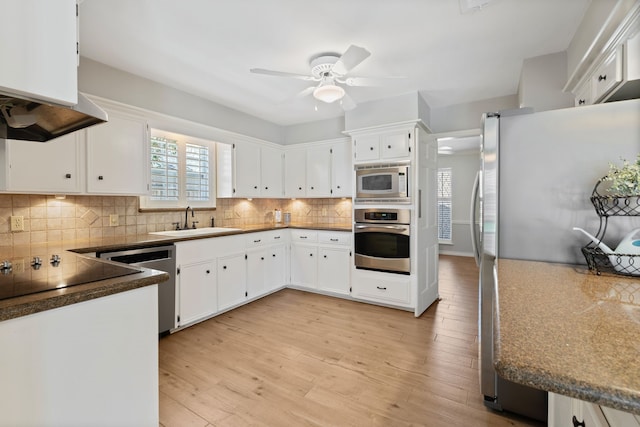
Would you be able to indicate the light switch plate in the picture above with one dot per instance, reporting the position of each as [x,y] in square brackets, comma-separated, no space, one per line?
[113,220]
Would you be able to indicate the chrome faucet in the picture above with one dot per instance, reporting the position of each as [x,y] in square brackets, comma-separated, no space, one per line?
[186,217]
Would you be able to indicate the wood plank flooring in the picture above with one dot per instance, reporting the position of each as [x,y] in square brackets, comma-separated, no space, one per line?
[300,359]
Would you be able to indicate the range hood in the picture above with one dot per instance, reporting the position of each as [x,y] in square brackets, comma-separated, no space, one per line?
[32,120]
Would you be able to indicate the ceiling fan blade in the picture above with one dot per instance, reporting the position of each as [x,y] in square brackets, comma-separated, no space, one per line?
[305,92]
[347,103]
[371,81]
[353,56]
[282,74]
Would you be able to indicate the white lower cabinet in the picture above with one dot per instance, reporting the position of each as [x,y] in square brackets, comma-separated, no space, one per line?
[381,287]
[196,292]
[334,262]
[567,411]
[304,265]
[232,280]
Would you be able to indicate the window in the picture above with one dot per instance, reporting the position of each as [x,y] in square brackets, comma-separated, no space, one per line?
[180,170]
[444,205]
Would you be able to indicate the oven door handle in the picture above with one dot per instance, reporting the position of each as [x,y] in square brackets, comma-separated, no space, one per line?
[400,229]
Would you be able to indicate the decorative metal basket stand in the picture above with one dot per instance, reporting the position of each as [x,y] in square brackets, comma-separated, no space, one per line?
[606,206]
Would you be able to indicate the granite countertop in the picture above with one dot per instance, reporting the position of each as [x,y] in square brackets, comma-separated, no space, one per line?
[566,330]
[34,303]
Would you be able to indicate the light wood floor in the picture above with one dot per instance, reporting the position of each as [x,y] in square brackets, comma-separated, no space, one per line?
[300,359]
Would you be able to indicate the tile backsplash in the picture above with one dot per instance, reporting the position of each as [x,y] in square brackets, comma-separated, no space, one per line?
[47,219]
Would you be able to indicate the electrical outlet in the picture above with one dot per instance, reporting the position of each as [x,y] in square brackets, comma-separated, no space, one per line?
[113,220]
[324,211]
[228,214]
[17,223]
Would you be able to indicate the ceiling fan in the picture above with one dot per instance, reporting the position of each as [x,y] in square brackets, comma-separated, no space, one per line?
[329,71]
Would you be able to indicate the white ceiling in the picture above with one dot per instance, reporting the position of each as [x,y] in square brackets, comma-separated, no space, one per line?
[206,47]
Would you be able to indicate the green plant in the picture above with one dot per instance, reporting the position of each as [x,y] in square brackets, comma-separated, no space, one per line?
[625,180]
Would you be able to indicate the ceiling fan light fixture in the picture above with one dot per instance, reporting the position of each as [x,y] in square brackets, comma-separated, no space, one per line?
[328,93]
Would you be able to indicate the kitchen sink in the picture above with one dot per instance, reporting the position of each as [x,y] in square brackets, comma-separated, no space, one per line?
[194,231]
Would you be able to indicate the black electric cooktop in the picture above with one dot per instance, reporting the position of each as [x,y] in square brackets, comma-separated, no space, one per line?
[40,273]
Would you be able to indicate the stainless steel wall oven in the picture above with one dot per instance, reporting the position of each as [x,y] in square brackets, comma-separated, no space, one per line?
[382,240]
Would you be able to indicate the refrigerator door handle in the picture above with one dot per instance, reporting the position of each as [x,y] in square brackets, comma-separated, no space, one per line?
[475,232]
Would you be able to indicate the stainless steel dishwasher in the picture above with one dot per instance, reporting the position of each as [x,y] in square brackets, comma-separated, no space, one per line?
[159,258]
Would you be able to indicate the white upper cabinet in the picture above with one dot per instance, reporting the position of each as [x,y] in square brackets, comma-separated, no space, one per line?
[51,167]
[246,170]
[270,172]
[319,172]
[39,52]
[295,173]
[118,155]
[341,170]
[382,145]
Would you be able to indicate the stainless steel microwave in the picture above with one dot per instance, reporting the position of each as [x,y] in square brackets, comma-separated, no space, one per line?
[382,183]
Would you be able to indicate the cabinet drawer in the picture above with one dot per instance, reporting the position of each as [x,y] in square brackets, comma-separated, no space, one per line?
[264,238]
[383,289]
[334,237]
[307,236]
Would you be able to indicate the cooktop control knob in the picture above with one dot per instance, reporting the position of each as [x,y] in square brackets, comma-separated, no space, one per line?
[55,260]
[5,267]
[36,263]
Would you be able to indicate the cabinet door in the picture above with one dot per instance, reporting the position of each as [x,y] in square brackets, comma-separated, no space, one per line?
[246,170]
[304,265]
[275,266]
[256,272]
[271,173]
[583,95]
[333,270]
[118,156]
[607,76]
[51,167]
[232,280]
[367,147]
[319,172]
[40,60]
[341,170]
[295,171]
[196,292]
[395,145]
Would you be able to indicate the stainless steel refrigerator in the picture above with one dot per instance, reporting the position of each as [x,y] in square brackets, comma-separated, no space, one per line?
[538,171]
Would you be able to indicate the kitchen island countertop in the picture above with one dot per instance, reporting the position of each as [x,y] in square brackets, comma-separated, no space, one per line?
[563,329]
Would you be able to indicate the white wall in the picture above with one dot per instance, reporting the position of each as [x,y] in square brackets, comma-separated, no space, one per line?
[407,107]
[464,167]
[99,79]
[468,116]
[542,80]
[321,130]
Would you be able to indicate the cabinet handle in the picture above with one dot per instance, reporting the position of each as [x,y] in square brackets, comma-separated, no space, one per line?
[299,188]
[100,177]
[257,241]
[266,188]
[381,288]
[273,255]
[338,186]
[312,188]
[310,254]
[303,237]
[582,102]
[371,148]
[334,240]
[255,187]
[325,256]
[224,267]
[277,237]
[261,258]
[389,147]
[601,78]
[68,176]
[208,271]
[577,423]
